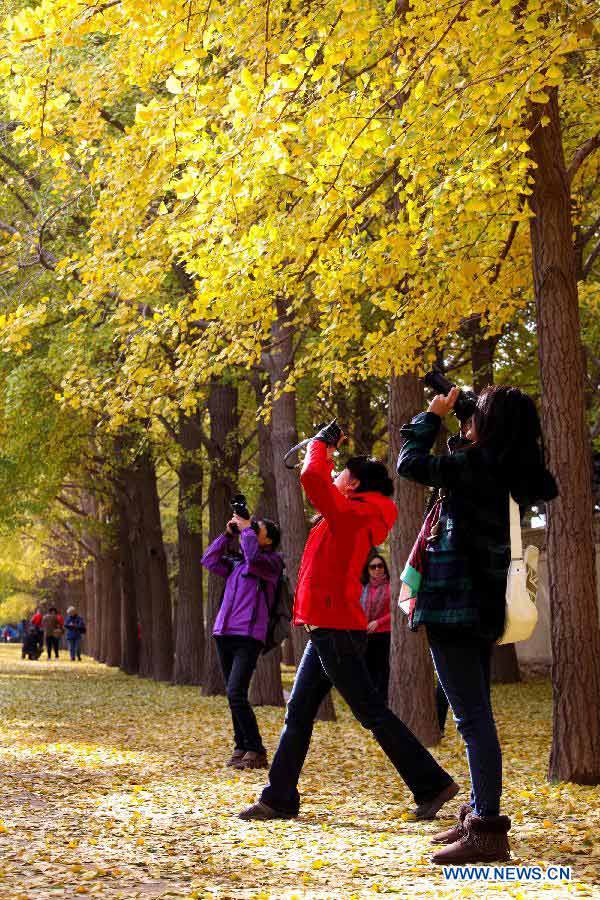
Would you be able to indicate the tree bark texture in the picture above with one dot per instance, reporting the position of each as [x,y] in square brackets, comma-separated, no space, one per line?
[224,458]
[89,577]
[150,568]
[129,616]
[363,419]
[289,491]
[412,682]
[189,621]
[99,593]
[482,354]
[162,630]
[141,575]
[575,754]
[111,612]
[88,586]
[266,688]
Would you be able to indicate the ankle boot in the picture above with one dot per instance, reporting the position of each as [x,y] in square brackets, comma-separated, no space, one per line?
[484,840]
[235,758]
[456,832]
[254,760]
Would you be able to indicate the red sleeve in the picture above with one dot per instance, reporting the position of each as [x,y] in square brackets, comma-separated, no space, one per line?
[60,619]
[320,489]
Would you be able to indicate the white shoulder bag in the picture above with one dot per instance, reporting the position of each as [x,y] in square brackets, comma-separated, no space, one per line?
[521,611]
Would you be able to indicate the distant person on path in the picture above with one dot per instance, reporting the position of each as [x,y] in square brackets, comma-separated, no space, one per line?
[357,511]
[375,601]
[240,628]
[53,627]
[31,648]
[36,630]
[460,592]
[75,629]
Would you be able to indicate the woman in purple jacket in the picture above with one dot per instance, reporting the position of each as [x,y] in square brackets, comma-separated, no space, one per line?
[241,625]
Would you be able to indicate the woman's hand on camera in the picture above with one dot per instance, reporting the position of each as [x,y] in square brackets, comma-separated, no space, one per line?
[331,451]
[228,528]
[242,524]
[441,404]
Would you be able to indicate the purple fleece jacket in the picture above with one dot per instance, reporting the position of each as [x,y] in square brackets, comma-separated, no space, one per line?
[249,584]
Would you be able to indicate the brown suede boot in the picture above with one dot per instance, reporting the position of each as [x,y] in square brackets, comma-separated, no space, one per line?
[260,812]
[236,758]
[485,840]
[253,760]
[456,832]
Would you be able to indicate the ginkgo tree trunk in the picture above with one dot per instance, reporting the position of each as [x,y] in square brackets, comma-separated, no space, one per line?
[412,681]
[284,434]
[266,688]
[189,628]
[223,448]
[575,754]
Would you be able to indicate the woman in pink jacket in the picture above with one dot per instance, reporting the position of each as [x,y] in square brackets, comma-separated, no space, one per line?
[375,601]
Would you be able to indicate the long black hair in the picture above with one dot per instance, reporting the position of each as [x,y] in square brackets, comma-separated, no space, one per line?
[507,423]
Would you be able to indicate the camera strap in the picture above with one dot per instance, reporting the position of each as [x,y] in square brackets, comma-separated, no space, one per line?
[295,449]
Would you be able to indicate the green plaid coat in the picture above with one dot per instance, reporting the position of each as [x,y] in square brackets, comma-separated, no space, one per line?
[463,587]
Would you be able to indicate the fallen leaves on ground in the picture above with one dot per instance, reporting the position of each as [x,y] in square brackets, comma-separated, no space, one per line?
[115,787]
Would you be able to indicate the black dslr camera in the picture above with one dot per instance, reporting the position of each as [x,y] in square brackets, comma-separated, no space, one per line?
[239,506]
[466,400]
[328,434]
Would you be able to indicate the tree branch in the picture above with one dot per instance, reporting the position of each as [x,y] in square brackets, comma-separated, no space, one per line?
[368,192]
[172,431]
[581,154]
[31,180]
[104,114]
[588,234]
[72,508]
[590,261]
[10,229]
[26,206]
[504,252]
[77,540]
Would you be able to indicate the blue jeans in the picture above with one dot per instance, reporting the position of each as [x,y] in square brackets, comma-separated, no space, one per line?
[238,656]
[337,658]
[463,668]
[75,646]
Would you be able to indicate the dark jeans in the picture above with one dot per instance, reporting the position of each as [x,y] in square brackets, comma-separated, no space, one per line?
[463,668]
[238,656]
[337,658]
[52,644]
[377,659]
[441,704]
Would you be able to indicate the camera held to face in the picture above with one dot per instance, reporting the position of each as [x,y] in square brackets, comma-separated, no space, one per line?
[239,507]
[466,400]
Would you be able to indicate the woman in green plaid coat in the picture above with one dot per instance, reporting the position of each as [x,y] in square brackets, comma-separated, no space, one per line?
[461,589]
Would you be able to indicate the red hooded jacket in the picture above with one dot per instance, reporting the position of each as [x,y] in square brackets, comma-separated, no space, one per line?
[329,586]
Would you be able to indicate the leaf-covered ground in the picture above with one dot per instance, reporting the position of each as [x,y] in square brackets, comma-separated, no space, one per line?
[114,787]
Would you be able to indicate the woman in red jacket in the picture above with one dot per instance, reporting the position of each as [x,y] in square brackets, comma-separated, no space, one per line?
[375,600]
[357,513]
